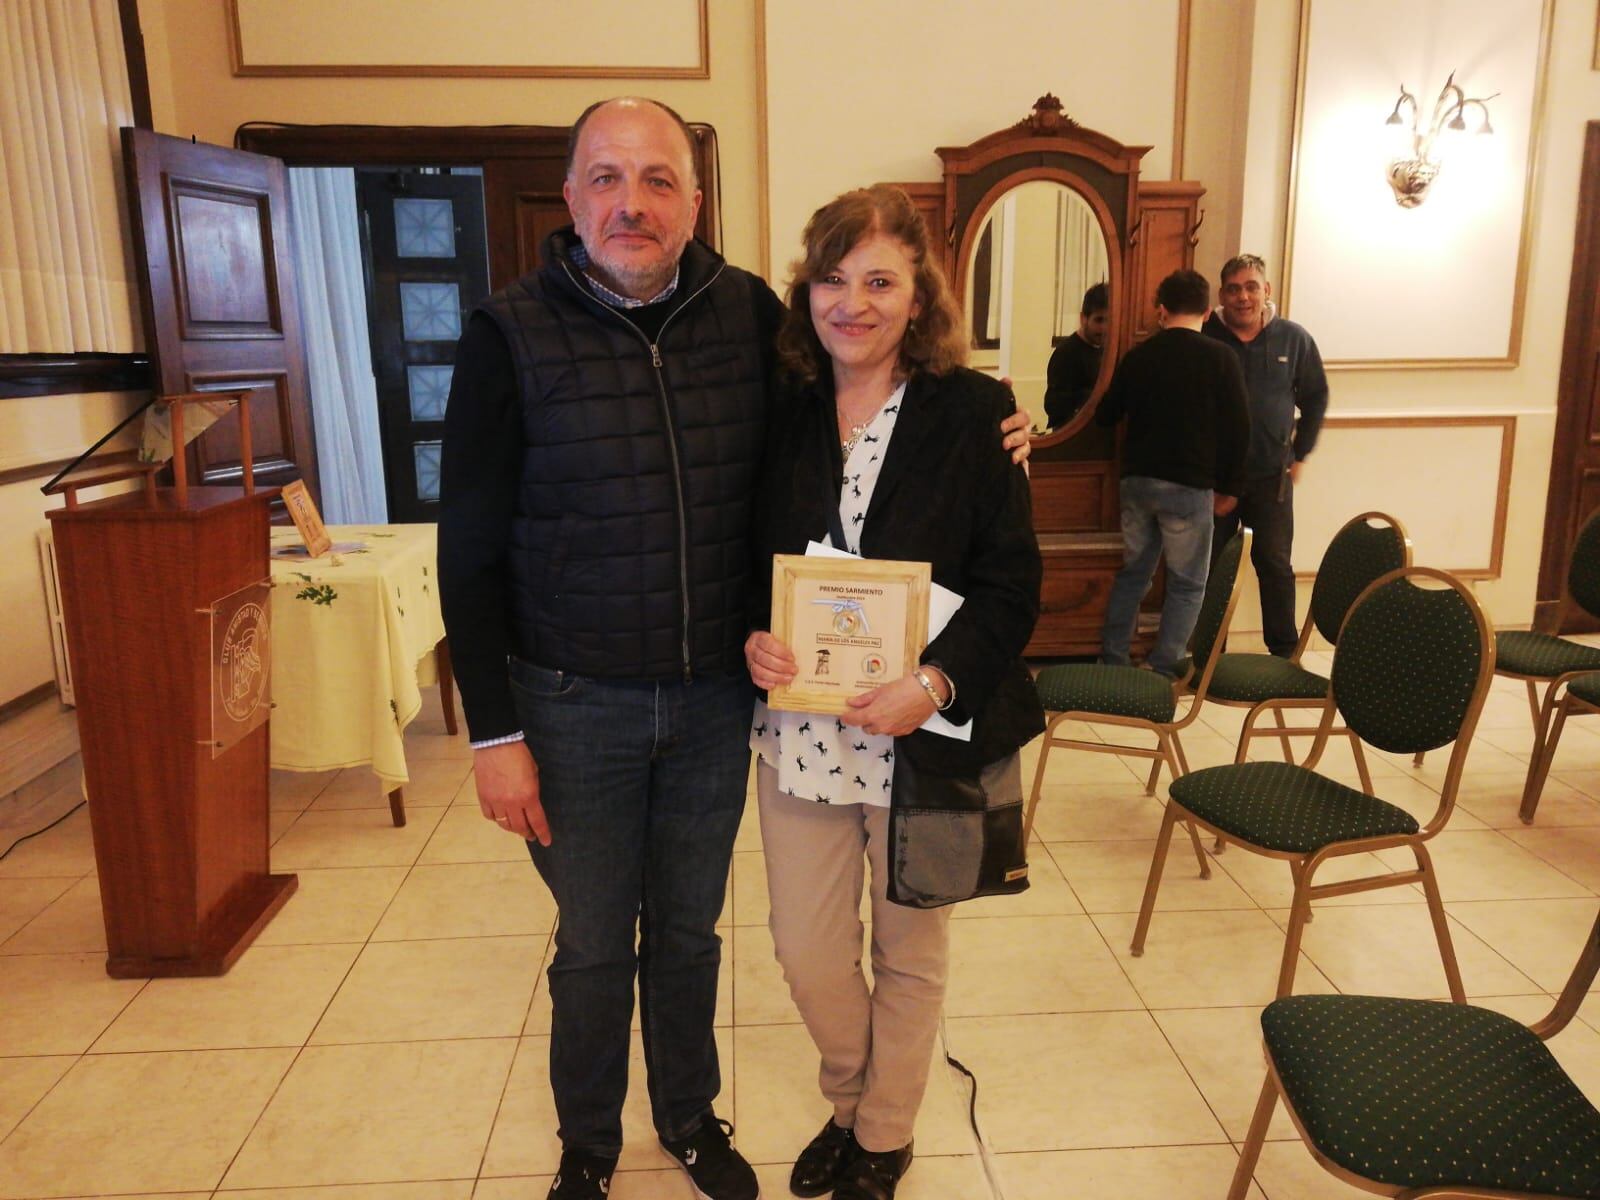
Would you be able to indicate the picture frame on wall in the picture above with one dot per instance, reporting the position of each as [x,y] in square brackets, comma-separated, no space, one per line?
[555,39]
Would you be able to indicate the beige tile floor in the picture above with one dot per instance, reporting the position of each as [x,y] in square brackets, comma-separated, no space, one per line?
[386,1037]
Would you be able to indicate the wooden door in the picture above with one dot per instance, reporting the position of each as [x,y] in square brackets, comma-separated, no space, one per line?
[523,206]
[1575,459]
[217,284]
[427,268]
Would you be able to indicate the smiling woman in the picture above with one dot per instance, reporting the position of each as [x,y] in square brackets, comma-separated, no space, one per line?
[860,310]
[886,445]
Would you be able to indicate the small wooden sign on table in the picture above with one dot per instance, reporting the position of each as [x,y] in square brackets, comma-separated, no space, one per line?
[303,510]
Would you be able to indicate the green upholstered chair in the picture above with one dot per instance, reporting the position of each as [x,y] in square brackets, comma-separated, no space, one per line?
[1418,1098]
[1410,674]
[1366,547]
[1555,662]
[1136,699]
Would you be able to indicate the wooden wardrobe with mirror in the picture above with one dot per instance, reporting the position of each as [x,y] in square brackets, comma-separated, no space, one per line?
[1034,215]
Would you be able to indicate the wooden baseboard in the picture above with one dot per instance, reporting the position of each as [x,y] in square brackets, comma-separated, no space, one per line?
[34,695]
[34,737]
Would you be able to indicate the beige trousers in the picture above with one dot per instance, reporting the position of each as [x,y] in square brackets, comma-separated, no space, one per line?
[876,1043]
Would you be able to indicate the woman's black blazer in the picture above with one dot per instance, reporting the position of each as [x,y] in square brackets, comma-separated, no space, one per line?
[947,494]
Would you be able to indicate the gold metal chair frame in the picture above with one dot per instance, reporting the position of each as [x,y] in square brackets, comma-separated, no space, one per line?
[1544,749]
[1548,718]
[1168,749]
[1278,706]
[1557,1019]
[1303,866]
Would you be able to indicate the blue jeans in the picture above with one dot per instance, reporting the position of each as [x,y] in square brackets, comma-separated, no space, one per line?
[1158,516]
[643,784]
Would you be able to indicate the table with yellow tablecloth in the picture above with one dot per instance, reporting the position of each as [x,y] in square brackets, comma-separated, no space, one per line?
[353,635]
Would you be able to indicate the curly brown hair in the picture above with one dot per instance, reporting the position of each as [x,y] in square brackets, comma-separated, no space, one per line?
[935,340]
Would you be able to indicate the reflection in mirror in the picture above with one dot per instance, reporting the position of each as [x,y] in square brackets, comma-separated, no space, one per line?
[1040,249]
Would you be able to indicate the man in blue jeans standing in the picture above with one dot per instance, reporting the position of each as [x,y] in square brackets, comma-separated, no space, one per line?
[1288,399]
[1182,463]
[602,438]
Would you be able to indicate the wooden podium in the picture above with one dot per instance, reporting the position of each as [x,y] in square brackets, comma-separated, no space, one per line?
[166,595]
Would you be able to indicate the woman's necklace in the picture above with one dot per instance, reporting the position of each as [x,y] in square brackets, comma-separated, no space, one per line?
[849,443]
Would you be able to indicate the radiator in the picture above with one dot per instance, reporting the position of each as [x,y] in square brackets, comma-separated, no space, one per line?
[58,626]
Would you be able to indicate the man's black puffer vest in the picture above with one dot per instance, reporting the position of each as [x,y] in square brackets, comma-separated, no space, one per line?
[629,551]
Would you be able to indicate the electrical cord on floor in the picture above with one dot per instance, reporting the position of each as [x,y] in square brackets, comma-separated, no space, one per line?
[46,829]
[991,1173]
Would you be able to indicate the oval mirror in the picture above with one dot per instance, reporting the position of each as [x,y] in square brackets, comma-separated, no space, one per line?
[1038,253]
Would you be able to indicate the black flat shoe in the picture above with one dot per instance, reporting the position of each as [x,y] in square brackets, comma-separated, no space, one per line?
[817,1170]
[873,1175]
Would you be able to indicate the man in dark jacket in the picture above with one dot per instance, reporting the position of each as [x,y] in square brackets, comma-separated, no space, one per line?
[1283,373]
[601,451]
[602,442]
[1075,363]
[1182,460]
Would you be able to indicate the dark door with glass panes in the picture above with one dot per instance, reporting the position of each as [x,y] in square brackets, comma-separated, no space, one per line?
[427,267]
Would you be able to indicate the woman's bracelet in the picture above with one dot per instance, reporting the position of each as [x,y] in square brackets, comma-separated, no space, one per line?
[921,676]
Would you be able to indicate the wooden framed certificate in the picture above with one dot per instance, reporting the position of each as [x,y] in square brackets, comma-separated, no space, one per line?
[303,511]
[853,623]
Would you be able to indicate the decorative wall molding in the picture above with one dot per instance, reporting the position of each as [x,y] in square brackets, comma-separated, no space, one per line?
[1449,488]
[556,39]
[1180,89]
[1452,273]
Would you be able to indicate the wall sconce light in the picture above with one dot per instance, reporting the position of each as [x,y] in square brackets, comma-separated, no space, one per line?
[1411,173]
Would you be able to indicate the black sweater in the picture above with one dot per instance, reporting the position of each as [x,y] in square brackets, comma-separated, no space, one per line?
[1188,415]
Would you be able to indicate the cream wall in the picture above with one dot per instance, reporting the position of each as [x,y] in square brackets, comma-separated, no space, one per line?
[1462,241]
[1221,34]
[1527,391]
[863,93]
[34,431]
[194,91]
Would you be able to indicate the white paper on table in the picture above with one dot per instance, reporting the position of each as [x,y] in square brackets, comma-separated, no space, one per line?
[942,605]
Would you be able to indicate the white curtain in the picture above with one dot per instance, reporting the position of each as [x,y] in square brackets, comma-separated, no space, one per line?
[333,315]
[1080,258]
[65,261]
[997,274]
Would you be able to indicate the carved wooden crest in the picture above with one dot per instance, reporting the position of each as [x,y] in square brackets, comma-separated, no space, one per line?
[1047,117]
